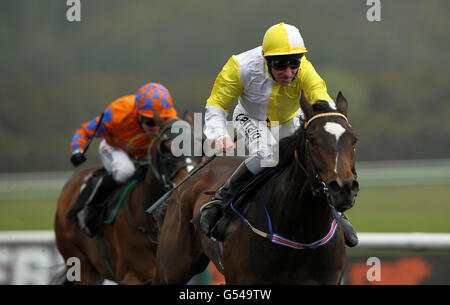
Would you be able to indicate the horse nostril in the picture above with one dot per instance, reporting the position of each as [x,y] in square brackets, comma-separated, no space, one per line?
[337,186]
[355,187]
[334,187]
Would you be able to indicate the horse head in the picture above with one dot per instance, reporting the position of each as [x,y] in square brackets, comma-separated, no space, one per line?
[329,145]
[172,166]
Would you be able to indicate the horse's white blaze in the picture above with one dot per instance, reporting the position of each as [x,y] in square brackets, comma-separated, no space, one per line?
[189,167]
[336,163]
[334,129]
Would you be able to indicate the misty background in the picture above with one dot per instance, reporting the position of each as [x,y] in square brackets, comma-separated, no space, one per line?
[56,75]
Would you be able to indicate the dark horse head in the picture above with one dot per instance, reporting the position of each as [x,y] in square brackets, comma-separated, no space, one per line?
[328,143]
[169,163]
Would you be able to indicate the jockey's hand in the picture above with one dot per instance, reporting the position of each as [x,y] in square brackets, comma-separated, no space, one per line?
[225,144]
[77,158]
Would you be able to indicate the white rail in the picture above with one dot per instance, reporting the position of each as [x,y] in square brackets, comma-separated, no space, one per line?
[411,241]
[30,257]
[404,241]
[24,238]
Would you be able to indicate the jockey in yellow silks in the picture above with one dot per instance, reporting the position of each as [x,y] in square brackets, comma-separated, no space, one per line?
[267,82]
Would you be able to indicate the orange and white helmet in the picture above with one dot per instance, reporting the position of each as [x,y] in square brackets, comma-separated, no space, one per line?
[154,97]
[283,39]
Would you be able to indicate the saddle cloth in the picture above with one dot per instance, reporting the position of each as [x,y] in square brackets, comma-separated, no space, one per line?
[105,212]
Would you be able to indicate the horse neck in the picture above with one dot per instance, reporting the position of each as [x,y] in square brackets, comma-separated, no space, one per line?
[144,194]
[151,187]
[295,210]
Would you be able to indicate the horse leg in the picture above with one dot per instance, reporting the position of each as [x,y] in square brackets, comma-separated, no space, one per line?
[68,248]
[60,278]
[131,278]
[182,271]
[88,274]
[179,253]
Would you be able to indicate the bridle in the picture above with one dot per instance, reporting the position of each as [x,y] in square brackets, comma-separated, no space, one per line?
[166,160]
[164,174]
[318,186]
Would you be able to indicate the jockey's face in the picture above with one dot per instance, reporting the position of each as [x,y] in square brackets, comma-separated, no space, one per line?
[149,126]
[284,68]
[284,77]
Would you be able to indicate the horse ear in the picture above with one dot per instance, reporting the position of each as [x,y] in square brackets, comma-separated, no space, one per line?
[187,117]
[341,103]
[306,106]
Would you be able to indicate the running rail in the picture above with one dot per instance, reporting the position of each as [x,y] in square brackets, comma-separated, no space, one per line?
[394,241]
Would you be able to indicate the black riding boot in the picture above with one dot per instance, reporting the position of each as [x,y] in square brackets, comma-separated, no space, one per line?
[88,217]
[351,238]
[211,212]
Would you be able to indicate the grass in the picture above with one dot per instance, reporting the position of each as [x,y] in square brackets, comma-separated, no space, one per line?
[402,209]
[28,212]
[410,198]
[417,208]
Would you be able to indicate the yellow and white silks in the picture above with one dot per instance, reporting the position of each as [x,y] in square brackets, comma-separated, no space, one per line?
[245,78]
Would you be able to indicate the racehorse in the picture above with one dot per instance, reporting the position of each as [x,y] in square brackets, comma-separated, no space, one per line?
[286,229]
[126,251]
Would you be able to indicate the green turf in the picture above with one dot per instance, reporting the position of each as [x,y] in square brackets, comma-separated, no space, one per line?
[27,212]
[402,209]
[378,209]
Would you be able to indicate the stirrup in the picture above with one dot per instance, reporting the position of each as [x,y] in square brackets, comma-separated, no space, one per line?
[81,218]
[210,213]
[209,204]
[217,232]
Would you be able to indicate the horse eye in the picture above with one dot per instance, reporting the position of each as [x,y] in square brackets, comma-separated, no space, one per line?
[355,140]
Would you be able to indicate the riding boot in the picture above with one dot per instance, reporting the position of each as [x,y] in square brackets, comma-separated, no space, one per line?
[88,218]
[212,212]
[351,238]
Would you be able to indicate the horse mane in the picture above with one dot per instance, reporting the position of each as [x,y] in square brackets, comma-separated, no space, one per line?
[290,143]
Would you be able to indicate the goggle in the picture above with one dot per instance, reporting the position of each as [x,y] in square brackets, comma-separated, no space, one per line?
[148,121]
[281,64]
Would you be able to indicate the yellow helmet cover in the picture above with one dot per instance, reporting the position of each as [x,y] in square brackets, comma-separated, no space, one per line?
[283,39]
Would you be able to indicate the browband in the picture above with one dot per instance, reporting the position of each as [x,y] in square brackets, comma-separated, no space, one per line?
[320,115]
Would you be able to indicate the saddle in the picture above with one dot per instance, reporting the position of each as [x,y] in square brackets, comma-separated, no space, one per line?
[106,211]
[238,200]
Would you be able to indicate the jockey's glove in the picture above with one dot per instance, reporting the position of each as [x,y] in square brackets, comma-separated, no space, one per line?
[77,158]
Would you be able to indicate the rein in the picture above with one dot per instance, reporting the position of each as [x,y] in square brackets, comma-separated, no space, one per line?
[322,189]
[280,240]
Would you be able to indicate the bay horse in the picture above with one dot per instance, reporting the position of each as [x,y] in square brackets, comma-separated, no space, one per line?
[126,251]
[287,230]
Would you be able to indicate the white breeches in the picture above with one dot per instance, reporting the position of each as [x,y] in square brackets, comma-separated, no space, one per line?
[116,162]
[261,140]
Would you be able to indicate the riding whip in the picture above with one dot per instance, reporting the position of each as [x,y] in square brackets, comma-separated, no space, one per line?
[93,135]
[167,195]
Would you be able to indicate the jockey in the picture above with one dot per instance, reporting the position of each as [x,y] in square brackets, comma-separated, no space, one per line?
[267,82]
[123,126]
